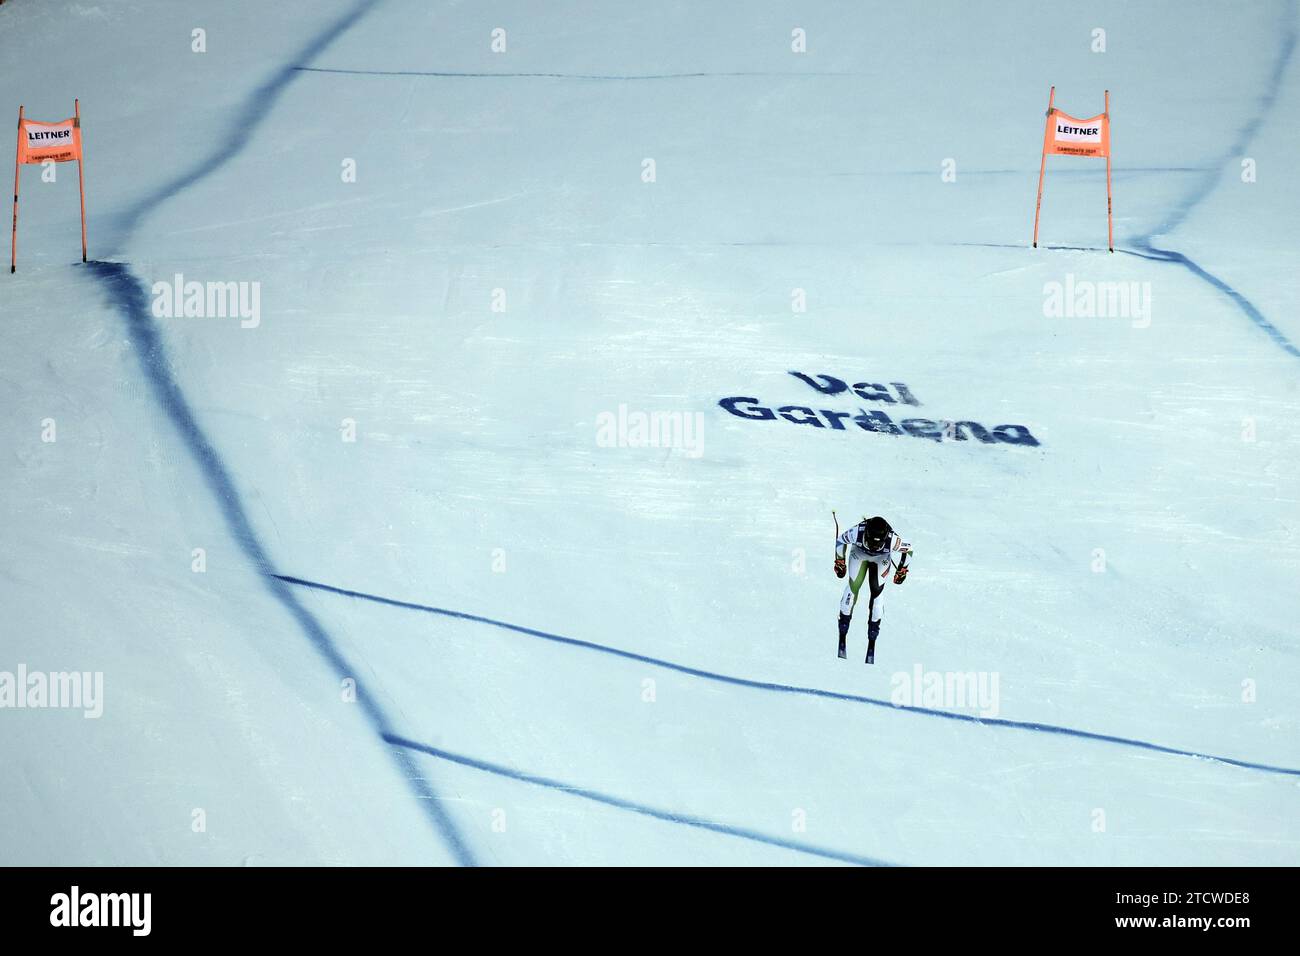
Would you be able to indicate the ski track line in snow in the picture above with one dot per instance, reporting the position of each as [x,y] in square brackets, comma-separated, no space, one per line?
[1210,181]
[684,819]
[126,292]
[788,688]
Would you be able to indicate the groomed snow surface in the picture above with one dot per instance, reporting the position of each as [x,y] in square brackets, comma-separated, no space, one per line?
[407,475]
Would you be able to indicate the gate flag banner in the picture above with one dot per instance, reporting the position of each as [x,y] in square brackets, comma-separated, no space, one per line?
[1075,137]
[60,142]
[1067,135]
[38,142]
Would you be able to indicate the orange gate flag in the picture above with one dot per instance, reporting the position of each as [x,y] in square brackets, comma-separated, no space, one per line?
[60,141]
[1067,135]
[38,143]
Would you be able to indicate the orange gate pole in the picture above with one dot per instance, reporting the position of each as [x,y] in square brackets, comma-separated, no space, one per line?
[1042,167]
[1110,228]
[81,182]
[13,238]
[81,178]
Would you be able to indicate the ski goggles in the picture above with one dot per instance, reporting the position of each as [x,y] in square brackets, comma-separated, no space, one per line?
[874,543]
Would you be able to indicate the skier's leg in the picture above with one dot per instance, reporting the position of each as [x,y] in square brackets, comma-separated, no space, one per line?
[857,572]
[873,613]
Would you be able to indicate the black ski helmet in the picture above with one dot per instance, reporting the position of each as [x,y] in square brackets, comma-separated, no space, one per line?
[874,534]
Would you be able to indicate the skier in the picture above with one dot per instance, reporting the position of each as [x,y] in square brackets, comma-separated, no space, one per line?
[865,552]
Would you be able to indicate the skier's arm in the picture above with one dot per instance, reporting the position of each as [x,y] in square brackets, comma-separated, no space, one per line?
[905,553]
[841,549]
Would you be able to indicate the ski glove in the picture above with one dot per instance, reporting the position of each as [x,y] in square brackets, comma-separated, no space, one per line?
[901,574]
[839,567]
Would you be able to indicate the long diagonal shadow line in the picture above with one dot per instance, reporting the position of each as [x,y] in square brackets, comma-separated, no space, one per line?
[669,816]
[785,688]
[127,294]
[1210,180]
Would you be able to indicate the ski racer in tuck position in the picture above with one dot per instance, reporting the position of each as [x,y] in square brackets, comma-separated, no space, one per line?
[866,553]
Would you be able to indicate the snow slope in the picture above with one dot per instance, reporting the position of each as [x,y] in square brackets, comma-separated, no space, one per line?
[574,654]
